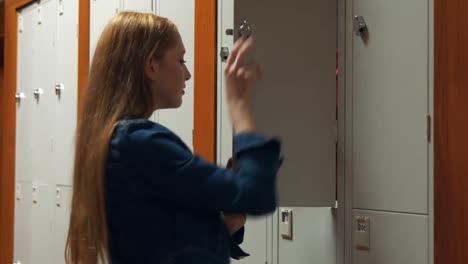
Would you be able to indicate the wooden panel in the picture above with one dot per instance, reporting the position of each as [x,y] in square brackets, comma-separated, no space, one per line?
[204,138]
[83,49]
[7,134]
[451,130]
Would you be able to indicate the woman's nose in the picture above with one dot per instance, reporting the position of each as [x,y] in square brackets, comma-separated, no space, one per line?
[188,76]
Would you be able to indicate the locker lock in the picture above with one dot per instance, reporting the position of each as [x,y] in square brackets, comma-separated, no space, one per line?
[359,25]
[19,97]
[38,92]
[59,88]
[245,30]
[286,224]
[224,54]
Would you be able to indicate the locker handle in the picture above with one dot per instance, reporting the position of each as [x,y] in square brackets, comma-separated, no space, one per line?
[38,92]
[19,96]
[59,88]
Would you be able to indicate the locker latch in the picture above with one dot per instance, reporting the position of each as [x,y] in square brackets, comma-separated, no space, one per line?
[60,7]
[38,92]
[286,228]
[58,197]
[59,88]
[34,195]
[19,96]
[18,192]
[224,54]
[359,25]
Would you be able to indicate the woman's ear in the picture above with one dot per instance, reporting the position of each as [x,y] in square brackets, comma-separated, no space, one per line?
[152,69]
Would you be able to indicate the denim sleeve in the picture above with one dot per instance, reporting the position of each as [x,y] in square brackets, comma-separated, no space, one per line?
[172,172]
[237,239]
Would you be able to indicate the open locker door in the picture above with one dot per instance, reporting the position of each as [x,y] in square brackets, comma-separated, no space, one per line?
[296,100]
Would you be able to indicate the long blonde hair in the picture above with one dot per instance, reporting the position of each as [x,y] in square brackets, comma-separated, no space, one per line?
[117,89]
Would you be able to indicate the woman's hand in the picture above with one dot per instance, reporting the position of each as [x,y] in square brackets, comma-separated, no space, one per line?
[234,222]
[239,78]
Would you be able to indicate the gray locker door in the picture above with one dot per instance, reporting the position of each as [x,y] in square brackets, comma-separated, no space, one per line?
[145,6]
[180,120]
[394,238]
[23,223]
[258,235]
[63,195]
[296,100]
[43,115]
[24,104]
[313,237]
[66,101]
[23,166]
[101,11]
[41,223]
[390,104]
[256,245]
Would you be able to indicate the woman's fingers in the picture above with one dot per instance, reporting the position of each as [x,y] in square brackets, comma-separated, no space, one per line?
[250,72]
[237,56]
[243,51]
[233,54]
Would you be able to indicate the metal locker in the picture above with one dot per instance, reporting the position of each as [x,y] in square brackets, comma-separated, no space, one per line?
[226,41]
[390,105]
[180,120]
[23,220]
[145,6]
[296,100]
[24,99]
[66,92]
[63,195]
[255,245]
[42,223]
[101,11]
[393,238]
[43,90]
[258,230]
[312,236]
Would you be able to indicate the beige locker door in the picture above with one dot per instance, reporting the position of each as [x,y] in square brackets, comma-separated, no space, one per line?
[145,6]
[390,104]
[100,12]
[181,120]
[296,100]
[23,159]
[66,97]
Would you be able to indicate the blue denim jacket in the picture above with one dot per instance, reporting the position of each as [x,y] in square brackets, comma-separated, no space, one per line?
[164,203]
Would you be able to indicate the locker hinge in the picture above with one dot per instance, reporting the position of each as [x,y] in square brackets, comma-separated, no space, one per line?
[429,127]
[20,24]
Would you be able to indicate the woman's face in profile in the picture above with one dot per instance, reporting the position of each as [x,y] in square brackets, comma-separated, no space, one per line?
[168,76]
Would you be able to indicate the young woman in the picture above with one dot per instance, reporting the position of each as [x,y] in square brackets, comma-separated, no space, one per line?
[140,195]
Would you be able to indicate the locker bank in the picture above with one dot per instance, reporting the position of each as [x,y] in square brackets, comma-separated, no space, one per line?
[369,97]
